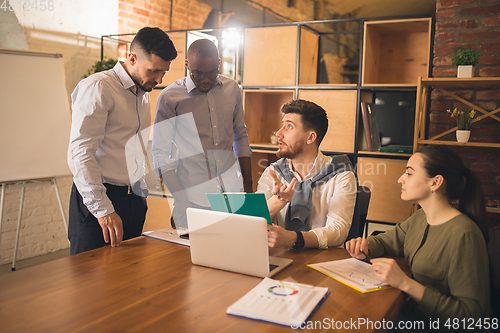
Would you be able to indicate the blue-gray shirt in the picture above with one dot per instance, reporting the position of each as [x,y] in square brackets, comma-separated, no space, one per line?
[209,134]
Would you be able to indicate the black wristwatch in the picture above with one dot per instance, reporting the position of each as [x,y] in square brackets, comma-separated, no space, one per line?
[299,243]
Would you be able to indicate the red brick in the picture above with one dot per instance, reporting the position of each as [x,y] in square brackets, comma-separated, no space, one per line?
[491,21]
[442,61]
[485,179]
[490,59]
[481,10]
[485,167]
[467,24]
[474,154]
[489,72]
[498,182]
[482,131]
[491,190]
[142,12]
[444,72]
[455,3]
[444,36]
[488,106]
[441,118]
[446,25]
[449,47]
[488,95]
[440,106]
[479,35]
[436,129]
[445,13]
[490,47]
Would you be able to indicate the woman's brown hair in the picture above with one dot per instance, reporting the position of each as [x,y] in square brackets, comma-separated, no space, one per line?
[461,184]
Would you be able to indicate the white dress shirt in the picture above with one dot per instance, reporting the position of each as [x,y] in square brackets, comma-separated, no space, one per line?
[332,203]
[108,113]
[200,135]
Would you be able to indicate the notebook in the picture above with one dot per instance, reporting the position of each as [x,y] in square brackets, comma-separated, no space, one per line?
[352,272]
[231,242]
[253,204]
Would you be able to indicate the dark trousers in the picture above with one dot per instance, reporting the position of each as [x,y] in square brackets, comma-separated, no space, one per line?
[85,233]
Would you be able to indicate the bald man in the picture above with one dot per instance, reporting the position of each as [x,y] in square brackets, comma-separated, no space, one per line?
[200,142]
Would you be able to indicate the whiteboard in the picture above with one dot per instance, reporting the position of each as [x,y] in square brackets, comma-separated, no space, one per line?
[34,116]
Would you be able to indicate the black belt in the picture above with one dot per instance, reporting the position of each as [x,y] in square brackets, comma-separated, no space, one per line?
[134,188]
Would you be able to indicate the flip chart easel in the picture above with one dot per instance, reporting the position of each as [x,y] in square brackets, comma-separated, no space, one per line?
[35,144]
[23,184]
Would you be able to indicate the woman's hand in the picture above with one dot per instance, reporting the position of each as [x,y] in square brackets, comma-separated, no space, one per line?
[388,270]
[356,247]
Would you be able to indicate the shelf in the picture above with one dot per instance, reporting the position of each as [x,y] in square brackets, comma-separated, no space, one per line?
[340,107]
[396,52]
[270,56]
[493,210]
[378,153]
[423,88]
[449,81]
[453,143]
[262,113]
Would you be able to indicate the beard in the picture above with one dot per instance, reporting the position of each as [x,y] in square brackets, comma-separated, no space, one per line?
[292,152]
[138,81]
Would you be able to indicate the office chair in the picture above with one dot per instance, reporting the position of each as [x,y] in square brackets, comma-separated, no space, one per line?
[360,212]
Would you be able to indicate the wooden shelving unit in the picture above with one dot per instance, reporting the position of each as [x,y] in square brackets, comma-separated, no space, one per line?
[280,63]
[444,85]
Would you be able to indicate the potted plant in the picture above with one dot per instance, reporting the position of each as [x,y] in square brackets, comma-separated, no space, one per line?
[465,58]
[464,122]
[100,66]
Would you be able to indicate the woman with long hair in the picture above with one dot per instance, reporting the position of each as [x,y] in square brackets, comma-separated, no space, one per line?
[443,243]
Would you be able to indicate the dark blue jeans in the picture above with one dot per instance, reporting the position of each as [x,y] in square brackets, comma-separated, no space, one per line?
[85,233]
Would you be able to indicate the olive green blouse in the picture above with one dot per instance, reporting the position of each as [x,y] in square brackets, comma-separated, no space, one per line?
[450,260]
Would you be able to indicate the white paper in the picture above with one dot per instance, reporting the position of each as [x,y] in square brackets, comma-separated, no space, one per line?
[279,302]
[353,272]
[168,234]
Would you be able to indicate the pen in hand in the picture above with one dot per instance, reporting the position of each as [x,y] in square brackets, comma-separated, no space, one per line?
[367,256]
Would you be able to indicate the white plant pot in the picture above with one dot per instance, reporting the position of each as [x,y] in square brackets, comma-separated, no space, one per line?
[463,135]
[465,71]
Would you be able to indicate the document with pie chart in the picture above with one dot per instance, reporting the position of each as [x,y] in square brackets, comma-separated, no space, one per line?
[279,302]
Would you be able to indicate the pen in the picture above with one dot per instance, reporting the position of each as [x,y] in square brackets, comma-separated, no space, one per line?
[367,256]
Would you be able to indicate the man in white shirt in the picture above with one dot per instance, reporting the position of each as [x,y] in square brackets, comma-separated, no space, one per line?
[110,127]
[312,195]
[200,142]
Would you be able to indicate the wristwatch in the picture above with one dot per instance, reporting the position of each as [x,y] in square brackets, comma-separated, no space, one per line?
[299,243]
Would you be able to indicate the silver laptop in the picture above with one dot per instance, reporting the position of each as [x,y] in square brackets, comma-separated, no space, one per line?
[232,242]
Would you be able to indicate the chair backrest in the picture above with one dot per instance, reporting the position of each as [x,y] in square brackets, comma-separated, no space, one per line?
[360,212]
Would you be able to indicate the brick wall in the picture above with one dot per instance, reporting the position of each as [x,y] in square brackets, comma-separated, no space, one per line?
[42,229]
[136,14]
[475,23]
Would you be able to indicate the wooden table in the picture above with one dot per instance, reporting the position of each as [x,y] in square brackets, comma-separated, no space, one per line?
[149,285]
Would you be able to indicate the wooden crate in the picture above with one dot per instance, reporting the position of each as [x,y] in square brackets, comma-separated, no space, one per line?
[381,176]
[270,56]
[396,52]
[340,106]
[262,114]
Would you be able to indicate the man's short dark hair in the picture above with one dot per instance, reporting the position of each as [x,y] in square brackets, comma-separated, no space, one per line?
[313,116]
[203,48]
[155,41]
